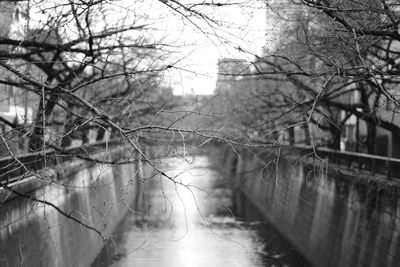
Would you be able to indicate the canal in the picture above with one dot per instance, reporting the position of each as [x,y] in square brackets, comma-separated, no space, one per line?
[206,223]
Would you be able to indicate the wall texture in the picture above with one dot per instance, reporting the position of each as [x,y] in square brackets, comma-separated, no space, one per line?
[332,219]
[37,235]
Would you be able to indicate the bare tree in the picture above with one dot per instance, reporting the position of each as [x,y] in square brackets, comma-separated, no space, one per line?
[334,67]
[80,74]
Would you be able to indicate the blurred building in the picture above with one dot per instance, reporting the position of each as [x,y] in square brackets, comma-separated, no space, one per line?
[230,72]
[16,104]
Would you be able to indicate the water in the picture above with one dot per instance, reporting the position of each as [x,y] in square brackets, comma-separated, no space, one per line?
[202,224]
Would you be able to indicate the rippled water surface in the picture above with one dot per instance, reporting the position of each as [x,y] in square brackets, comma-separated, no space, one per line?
[202,224]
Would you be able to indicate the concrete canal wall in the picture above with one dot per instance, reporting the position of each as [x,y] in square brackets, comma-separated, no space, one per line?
[37,235]
[332,219]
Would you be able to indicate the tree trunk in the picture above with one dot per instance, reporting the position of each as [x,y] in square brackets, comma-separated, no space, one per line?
[291,135]
[42,118]
[307,135]
[370,142]
[336,134]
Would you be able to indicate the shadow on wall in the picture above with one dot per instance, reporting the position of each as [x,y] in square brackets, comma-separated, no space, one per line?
[332,219]
[36,235]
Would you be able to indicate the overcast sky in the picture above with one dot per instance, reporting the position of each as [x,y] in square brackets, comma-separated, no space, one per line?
[243,27]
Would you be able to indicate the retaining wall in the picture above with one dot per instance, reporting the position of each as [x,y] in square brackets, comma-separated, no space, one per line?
[37,235]
[332,218]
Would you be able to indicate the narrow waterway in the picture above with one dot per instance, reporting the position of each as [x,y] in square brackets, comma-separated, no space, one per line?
[203,224]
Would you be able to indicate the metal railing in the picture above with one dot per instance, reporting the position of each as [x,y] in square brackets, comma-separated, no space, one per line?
[389,167]
[12,168]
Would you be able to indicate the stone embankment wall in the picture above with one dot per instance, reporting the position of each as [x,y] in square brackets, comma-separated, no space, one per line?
[333,219]
[34,234]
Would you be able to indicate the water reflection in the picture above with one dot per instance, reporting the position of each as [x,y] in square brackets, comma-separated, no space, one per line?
[193,225]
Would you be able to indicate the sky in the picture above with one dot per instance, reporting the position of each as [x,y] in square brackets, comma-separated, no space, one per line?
[196,72]
[242,24]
